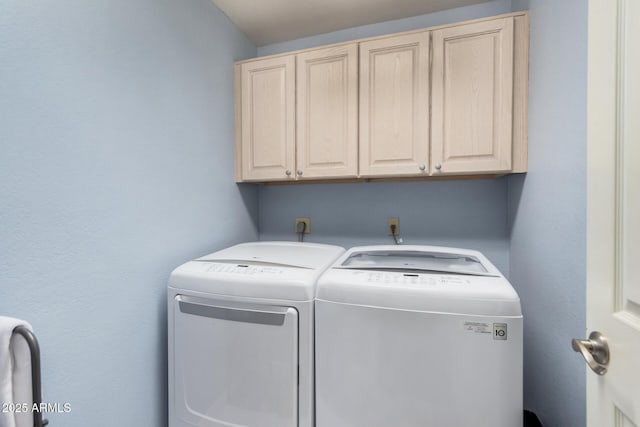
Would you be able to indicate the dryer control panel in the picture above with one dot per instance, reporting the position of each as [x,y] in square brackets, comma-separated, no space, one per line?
[233,268]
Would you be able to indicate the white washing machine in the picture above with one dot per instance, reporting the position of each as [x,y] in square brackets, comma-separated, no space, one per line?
[241,335]
[417,336]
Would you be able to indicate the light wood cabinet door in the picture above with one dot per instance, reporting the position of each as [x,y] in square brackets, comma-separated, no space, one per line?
[394,106]
[327,113]
[268,119]
[472,96]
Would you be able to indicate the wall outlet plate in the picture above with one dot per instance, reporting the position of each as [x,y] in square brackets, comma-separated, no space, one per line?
[306,220]
[393,220]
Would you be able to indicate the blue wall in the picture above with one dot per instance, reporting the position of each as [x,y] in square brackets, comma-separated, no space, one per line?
[116,165]
[466,214]
[547,210]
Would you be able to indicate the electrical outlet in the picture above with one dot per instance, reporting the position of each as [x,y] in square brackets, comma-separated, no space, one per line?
[393,220]
[306,220]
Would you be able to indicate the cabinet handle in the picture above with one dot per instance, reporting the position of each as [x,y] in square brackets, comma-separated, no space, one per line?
[422,167]
[288,172]
[299,172]
[438,166]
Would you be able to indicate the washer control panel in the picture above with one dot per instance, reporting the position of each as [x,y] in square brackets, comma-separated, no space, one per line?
[400,278]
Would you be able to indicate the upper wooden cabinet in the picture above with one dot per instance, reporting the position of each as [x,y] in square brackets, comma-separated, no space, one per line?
[472,113]
[297,116]
[449,100]
[394,106]
[268,119]
[327,113]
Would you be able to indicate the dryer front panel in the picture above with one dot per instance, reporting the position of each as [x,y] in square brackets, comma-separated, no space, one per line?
[235,364]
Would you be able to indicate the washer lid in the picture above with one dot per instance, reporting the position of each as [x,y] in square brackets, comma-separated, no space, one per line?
[416,259]
[421,278]
[270,270]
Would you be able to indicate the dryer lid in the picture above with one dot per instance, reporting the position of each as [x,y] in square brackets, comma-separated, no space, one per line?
[313,256]
[267,270]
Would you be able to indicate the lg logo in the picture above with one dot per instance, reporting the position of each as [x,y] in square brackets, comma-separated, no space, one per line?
[500,331]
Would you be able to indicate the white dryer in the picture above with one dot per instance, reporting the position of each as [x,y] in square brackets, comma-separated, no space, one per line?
[417,336]
[240,325]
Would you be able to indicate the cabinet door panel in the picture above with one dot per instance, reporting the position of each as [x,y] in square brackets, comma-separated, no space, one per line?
[394,106]
[472,98]
[327,112]
[268,118]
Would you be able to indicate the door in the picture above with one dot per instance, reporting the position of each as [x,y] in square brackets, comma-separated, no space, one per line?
[235,364]
[613,210]
[327,113]
[394,106]
[268,119]
[472,98]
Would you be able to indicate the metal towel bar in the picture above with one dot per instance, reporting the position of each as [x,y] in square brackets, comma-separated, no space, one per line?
[36,385]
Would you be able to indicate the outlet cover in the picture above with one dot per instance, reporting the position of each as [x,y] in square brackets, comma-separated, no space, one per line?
[393,220]
[306,220]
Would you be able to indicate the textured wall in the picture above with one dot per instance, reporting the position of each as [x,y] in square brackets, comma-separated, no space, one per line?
[116,165]
[116,130]
[466,214]
[547,211]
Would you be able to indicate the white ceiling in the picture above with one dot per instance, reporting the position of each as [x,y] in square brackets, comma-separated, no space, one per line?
[272,21]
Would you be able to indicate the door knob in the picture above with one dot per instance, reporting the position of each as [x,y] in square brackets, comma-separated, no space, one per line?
[288,172]
[595,351]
